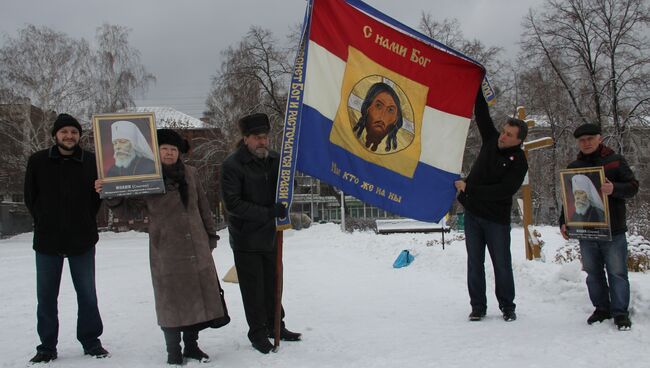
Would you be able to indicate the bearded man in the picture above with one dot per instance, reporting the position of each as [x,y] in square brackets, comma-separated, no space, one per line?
[589,206]
[132,153]
[248,183]
[59,194]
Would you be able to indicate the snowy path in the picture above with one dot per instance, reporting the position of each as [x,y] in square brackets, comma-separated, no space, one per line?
[353,308]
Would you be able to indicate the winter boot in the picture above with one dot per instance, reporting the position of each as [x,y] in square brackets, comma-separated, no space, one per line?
[173,342]
[191,349]
[623,322]
[598,315]
[43,357]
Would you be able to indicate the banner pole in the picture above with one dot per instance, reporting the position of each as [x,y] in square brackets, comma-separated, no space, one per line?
[342,211]
[278,291]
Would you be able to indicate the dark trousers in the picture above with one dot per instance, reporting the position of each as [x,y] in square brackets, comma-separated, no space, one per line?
[257,273]
[48,282]
[480,233]
[611,293]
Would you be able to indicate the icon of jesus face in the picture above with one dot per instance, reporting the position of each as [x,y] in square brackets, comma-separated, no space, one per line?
[382,116]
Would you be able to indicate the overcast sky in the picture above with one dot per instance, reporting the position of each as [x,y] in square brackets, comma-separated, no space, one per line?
[180,41]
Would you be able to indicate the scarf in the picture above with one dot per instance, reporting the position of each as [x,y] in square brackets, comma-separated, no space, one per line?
[174,175]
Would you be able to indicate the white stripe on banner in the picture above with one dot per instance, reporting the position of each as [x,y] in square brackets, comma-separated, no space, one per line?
[323,81]
[443,134]
[443,140]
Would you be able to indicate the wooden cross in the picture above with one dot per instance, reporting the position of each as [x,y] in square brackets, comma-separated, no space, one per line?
[532,243]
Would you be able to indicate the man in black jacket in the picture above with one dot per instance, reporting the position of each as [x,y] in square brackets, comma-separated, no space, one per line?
[248,182]
[611,295]
[486,194]
[60,195]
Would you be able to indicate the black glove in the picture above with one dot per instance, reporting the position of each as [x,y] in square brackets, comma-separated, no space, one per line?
[279,210]
[212,240]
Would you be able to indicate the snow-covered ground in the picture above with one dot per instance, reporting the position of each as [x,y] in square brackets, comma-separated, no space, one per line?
[353,308]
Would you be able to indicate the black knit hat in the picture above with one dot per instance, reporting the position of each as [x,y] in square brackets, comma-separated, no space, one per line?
[168,136]
[64,120]
[586,129]
[254,124]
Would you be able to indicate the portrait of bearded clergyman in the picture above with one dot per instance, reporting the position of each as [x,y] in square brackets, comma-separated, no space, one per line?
[587,201]
[381,117]
[131,151]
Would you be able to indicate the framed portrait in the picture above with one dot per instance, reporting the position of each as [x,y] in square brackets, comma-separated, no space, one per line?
[126,148]
[586,210]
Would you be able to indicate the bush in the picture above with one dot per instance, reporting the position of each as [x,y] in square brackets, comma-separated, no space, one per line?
[638,253]
[360,224]
[569,252]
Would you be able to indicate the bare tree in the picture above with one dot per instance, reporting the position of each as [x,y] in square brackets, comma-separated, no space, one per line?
[619,26]
[599,52]
[48,67]
[253,78]
[449,33]
[44,68]
[118,73]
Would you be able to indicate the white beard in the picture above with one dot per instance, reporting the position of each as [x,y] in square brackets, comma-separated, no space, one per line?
[581,208]
[261,153]
[124,162]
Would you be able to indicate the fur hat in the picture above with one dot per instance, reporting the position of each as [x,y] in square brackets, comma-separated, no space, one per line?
[168,136]
[64,120]
[254,124]
[586,129]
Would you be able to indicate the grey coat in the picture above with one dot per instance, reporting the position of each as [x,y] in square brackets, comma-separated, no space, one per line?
[185,284]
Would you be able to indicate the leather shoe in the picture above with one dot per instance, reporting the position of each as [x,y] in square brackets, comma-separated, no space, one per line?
[476,315]
[509,315]
[286,335]
[97,352]
[264,346]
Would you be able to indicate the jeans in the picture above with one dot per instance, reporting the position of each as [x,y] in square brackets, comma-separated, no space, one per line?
[612,293]
[480,233]
[48,282]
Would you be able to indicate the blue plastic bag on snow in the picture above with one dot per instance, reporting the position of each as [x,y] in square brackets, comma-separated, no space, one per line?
[404,259]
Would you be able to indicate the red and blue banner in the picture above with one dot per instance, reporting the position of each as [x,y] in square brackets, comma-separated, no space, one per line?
[378,110]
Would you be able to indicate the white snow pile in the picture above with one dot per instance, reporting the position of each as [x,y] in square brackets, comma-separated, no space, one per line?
[353,308]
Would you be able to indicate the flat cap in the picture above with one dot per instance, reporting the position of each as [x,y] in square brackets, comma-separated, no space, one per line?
[586,129]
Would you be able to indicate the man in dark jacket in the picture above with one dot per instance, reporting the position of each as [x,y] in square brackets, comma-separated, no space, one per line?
[610,295]
[248,181]
[60,195]
[486,194]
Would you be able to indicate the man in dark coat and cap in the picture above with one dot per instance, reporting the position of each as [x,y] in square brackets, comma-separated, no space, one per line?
[609,295]
[248,182]
[59,194]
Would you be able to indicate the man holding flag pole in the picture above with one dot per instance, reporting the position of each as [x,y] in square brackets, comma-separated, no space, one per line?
[248,180]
